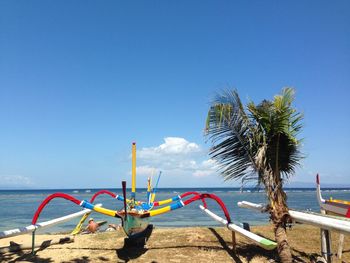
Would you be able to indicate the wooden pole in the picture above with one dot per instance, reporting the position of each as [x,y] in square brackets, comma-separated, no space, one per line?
[340,246]
[33,242]
[326,243]
[234,243]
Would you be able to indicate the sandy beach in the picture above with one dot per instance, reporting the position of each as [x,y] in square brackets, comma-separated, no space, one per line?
[195,244]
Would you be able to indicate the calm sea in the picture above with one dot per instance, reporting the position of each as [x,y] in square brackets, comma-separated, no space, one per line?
[18,206]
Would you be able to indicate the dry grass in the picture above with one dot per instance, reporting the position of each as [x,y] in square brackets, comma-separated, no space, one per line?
[196,244]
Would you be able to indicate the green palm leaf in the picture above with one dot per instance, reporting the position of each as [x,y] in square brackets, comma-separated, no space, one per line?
[247,143]
[229,128]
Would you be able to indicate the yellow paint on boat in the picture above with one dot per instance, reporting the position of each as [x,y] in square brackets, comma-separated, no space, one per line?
[159,211]
[153,197]
[339,201]
[166,201]
[78,227]
[133,169]
[104,211]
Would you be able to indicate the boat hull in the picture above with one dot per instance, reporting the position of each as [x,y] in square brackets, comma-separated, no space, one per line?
[337,207]
[134,225]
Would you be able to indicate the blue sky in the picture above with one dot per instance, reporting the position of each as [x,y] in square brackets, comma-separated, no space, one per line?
[81,80]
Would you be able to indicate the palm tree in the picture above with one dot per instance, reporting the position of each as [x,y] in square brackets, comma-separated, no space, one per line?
[258,143]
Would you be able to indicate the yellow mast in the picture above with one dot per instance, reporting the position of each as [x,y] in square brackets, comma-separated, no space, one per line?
[133,171]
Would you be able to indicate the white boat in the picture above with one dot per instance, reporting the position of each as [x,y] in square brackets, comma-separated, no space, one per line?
[319,220]
[337,207]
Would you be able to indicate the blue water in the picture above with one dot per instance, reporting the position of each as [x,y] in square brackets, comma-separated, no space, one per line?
[18,206]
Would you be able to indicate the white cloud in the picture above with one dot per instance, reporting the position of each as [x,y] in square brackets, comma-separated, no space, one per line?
[206,168]
[146,170]
[176,157]
[14,180]
[210,163]
[202,173]
[173,146]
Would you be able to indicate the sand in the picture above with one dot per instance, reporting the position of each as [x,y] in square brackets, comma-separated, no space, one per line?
[195,244]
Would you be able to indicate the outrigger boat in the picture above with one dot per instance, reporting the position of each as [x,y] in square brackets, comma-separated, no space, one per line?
[333,206]
[135,215]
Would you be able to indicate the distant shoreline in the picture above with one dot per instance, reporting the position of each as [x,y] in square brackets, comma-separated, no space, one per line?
[324,187]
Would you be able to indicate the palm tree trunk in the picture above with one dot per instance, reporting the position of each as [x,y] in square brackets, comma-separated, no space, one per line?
[283,247]
[280,217]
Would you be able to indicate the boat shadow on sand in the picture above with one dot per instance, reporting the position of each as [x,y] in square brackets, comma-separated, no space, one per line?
[245,251]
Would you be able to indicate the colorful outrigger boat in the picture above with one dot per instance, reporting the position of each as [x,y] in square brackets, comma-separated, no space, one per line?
[135,215]
[332,206]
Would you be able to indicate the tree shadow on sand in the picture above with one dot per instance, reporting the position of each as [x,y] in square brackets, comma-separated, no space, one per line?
[16,252]
[28,257]
[21,256]
[312,257]
[83,259]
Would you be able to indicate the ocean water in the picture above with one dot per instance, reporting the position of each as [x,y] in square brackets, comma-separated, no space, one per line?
[18,206]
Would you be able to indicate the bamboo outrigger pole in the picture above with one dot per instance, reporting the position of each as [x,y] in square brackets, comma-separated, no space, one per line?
[133,171]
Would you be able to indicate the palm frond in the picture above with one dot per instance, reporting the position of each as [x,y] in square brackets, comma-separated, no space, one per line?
[281,124]
[262,141]
[229,128]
